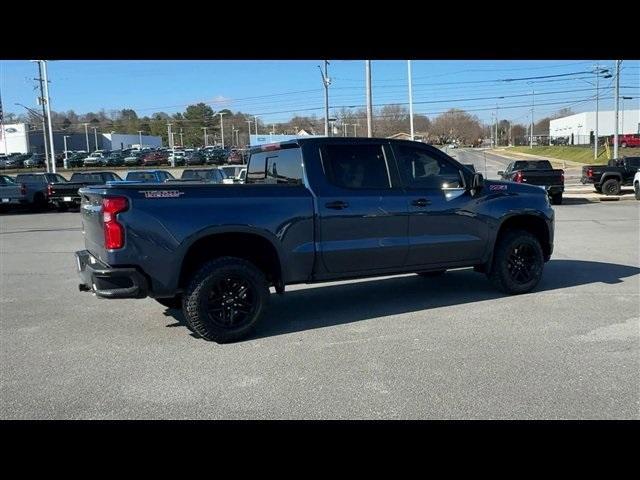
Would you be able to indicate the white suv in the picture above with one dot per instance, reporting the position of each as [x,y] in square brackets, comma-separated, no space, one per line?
[636,184]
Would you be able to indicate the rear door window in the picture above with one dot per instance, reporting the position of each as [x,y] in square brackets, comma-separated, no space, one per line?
[356,166]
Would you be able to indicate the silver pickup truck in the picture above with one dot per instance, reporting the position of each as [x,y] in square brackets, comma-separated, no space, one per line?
[11,193]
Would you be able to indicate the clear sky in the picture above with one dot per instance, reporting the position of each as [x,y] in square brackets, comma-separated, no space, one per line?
[276,90]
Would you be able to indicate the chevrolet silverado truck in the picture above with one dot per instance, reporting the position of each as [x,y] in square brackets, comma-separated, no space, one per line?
[11,193]
[65,195]
[537,172]
[311,210]
[37,187]
[609,179]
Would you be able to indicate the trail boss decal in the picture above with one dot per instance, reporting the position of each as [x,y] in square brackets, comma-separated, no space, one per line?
[161,193]
[497,187]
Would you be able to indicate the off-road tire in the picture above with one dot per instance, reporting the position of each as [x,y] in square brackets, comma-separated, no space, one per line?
[500,275]
[201,285]
[611,187]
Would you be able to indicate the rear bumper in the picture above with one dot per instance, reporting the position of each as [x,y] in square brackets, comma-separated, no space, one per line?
[108,282]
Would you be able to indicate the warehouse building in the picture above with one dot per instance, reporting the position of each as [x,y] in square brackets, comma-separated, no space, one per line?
[22,138]
[579,129]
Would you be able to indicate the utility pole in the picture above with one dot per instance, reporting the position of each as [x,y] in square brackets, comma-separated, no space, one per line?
[369,102]
[169,138]
[222,128]
[140,137]
[206,140]
[249,122]
[410,98]
[533,93]
[497,142]
[595,143]
[41,101]
[86,134]
[326,81]
[615,135]
[48,103]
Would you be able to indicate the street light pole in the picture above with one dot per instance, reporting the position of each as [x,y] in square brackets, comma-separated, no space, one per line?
[615,135]
[169,137]
[326,81]
[206,140]
[48,102]
[249,122]
[41,101]
[355,129]
[595,143]
[256,118]
[66,155]
[222,127]
[369,102]
[140,138]
[410,98]
[95,136]
[181,140]
[86,134]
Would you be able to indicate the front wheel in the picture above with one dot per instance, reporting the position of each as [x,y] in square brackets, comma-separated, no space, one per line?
[225,299]
[518,261]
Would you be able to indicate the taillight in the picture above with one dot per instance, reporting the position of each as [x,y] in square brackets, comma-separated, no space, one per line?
[518,177]
[49,190]
[113,231]
[23,189]
[562,176]
[589,172]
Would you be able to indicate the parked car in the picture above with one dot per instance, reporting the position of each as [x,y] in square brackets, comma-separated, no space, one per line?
[231,171]
[154,158]
[96,159]
[216,156]
[176,158]
[134,158]
[11,193]
[237,157]
[65,194]
[76,159]
[625,141]
[362,208]
[37,187]
[609,179]
[114,159]
[34,160]
[537,172]
[149,176]
[194,158]
[636,184]
[209,175]
[15,160]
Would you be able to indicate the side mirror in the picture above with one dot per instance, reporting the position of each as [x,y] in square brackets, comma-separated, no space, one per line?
[501,173]
[477,182]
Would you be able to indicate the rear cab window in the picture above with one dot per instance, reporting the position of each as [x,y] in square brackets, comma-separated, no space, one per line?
[278,166]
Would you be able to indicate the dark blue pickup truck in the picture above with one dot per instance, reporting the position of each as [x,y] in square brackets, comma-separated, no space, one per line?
[311,210]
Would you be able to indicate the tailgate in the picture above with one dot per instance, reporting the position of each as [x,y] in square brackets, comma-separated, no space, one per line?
[8,192]
[57,190]
[544,177]
[92,226]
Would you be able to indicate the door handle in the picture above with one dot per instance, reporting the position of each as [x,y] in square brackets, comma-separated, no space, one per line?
[421,202]
[338,205]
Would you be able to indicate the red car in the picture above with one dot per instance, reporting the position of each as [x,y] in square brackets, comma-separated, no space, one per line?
[625,141]
[155,158]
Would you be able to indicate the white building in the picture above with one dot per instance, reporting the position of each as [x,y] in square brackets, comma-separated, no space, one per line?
[580,128]
[20,138]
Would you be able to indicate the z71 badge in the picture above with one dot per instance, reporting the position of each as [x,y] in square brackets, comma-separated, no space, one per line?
[497,187]
[161,193]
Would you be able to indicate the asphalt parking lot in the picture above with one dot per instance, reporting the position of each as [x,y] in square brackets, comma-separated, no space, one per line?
[388,348]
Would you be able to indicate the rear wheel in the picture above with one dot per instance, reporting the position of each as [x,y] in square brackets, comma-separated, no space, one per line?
[39,202]
[225,299]
[556,199]
[611,187]
[518,261]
